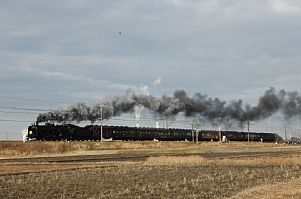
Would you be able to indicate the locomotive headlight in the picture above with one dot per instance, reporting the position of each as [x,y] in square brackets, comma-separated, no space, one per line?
[30,132]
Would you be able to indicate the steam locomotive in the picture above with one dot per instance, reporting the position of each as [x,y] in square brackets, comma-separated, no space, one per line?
[69,132]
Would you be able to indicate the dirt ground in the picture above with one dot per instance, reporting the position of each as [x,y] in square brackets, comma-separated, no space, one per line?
[136,181]
[208,170]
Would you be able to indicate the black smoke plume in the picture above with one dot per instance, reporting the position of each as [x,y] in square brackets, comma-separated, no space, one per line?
[289,103]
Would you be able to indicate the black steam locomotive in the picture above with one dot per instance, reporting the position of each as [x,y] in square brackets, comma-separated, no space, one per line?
[69,132]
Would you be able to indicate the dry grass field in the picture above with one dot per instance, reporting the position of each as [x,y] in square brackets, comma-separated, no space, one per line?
[149,170]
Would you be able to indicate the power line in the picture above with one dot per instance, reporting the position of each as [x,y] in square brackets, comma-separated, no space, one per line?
[25,109]
[14,112]
[1,120]
[33,100]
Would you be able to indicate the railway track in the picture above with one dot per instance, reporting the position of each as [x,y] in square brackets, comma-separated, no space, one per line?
[144,156]
[235,155]
[76,158]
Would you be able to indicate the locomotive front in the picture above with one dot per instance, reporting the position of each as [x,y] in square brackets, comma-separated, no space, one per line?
[31,133]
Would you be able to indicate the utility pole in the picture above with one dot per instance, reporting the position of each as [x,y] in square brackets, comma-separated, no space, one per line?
[248,123]
[196,122]
[101,118]
[285,133]
[299,120]
[192,133]
[166,121]
[219,134]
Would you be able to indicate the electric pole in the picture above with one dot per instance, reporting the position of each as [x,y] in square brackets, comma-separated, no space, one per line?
[192,133]
[248,123]
[101,118]
[285,133]
[195,124]
[166,120]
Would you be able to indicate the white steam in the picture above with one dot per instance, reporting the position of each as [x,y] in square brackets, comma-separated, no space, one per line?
[144,89]
[138,109]
[157,81]
[24,134]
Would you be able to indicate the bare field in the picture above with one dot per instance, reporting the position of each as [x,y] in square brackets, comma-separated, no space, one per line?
[152,170]
[25,168]
[147,181]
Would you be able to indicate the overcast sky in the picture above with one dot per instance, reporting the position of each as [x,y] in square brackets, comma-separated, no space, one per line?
[65,51]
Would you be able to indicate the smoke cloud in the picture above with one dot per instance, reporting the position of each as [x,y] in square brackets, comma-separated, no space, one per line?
[289,103]
[157,81]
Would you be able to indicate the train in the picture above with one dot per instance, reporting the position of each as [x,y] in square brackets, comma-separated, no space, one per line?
[70,132]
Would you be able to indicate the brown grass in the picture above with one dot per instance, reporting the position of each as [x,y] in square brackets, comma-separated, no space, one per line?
[176,160]
[198,161]
[123,145]
[34,148]
[281,190]
[47,148]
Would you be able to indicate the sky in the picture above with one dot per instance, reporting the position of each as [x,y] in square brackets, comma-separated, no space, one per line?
[56,53]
